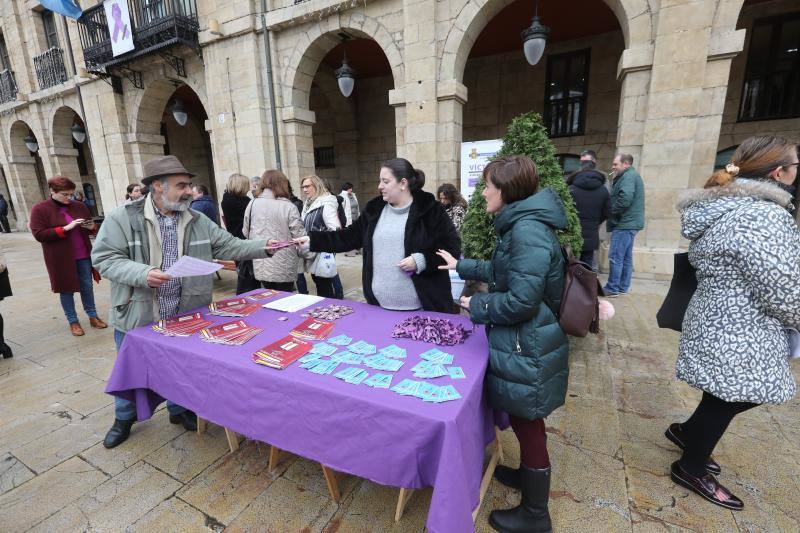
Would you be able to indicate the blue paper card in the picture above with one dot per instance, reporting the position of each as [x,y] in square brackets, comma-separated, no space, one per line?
[309,357]
[363,348]
[456,372]
[341,340]
[379,381]
[393,351]
[323,348]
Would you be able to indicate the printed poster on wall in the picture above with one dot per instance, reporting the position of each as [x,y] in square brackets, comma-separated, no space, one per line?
[119,26]
[474,157]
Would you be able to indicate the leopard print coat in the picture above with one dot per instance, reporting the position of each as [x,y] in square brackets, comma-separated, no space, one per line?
[745,246]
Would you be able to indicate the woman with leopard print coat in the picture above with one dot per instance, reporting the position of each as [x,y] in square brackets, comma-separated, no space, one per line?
[745,247]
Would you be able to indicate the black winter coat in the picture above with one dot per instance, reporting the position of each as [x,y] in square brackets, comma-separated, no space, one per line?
[428,229]
[593,202]
[233,208]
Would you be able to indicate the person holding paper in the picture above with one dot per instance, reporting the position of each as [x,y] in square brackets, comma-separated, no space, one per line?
[137,243]
[63,226]
[272,216]
[528,352]
[400,232]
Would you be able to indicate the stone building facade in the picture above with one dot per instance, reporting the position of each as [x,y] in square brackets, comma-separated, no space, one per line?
[664,80]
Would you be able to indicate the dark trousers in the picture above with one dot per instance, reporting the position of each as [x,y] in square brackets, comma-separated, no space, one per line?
[324,286]
[4,223]
[302,285]
[338,290]
[278,286]
[587,256]
[532,442]
[245,280]
[704,429]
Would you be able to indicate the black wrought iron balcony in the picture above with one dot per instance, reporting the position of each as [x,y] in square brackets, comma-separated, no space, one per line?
[156,25]
[50,69]
[8,87]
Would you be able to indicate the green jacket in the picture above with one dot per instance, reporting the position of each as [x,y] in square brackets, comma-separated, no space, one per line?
[528,352]
[129,246]
[627,202]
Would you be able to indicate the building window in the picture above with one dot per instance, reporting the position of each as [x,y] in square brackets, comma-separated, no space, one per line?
[324,157]
[50,32]
[569,162]
[565,94]
[5,61]
[724,157]
[771,88]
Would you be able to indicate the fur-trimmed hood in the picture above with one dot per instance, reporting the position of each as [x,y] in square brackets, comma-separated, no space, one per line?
[702,208]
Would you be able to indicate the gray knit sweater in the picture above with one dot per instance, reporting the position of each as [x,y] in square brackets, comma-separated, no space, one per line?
[391,286]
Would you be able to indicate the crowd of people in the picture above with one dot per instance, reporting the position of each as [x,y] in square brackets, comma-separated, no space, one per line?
[745,246]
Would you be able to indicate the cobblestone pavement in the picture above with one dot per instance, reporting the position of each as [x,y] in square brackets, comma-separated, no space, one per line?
[610,459]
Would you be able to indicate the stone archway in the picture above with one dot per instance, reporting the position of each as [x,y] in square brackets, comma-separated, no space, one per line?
[28,181]
[73,159]
[302,69]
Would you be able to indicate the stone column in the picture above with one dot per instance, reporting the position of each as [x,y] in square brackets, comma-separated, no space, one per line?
[65,162]
[24,185]
[298,149]
[451,96]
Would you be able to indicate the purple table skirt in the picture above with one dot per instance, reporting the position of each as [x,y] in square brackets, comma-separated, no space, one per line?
[370,433]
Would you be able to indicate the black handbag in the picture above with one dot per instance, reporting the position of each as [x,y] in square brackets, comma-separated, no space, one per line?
[683,286]
[5,284]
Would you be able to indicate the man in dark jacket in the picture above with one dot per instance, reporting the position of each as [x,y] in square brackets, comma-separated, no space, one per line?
[627,218]
[4,215]
[593,203]
[203,202]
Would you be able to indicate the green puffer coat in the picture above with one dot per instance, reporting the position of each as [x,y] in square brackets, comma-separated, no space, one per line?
[528,352]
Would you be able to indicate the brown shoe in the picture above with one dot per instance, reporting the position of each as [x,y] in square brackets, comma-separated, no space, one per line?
[706,486]
[76,329]
[97,323]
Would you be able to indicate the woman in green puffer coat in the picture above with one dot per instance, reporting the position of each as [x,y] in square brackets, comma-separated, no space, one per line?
[528,352]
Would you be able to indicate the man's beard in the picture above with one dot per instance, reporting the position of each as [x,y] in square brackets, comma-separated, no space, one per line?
[180,205]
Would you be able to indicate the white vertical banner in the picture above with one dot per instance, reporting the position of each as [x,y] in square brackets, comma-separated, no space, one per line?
[474,158]
[119,26]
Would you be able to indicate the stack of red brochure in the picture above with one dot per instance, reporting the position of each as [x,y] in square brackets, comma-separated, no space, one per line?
[312,329]
[266,295]
[233,307]
[233,333]
[182,326]
[282,353]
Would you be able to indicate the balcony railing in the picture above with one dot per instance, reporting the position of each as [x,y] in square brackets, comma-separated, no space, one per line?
[156,24]
[8,87]
[50,68]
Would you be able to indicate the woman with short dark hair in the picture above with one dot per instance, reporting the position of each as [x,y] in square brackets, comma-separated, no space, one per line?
[528,352]
[454,204]
[400,233]
[133,192]
[63,226]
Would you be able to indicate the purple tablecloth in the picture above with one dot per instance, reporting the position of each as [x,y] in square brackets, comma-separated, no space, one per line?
[371,433]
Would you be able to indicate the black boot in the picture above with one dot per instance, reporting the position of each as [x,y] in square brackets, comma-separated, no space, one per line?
[531,516]
[5,351]
[187,418]
[510,477]
[118,433]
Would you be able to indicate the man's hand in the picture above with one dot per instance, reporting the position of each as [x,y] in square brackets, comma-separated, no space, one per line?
[464,302]
[156,278]
[71,225]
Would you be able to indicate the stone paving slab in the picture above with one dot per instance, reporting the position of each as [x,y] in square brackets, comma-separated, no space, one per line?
[610,458]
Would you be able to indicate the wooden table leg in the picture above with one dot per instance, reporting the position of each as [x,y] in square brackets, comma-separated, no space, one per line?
[233,440]
[274,455]
[333,483]
[487,475]
[402,500]
[201,425]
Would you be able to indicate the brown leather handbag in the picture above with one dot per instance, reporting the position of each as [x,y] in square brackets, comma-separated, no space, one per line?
[579,313]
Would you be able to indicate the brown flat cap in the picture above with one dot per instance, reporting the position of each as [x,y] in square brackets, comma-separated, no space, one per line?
[166,165]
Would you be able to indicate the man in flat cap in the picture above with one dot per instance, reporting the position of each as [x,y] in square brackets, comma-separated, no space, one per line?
[137,243]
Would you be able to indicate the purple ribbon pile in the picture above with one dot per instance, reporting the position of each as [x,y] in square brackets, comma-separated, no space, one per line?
[428,329]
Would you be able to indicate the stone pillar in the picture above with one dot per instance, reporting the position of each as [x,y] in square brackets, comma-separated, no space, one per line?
[451,96]
[65,162]
[420,62]
[298,149]
[25,189]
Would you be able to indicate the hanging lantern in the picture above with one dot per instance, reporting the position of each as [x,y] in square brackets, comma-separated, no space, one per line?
[179,112]
[78,133]
[345,75]
[31,144]
[534,39]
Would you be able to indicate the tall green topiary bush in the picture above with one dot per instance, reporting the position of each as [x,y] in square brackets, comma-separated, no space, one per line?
[526,135]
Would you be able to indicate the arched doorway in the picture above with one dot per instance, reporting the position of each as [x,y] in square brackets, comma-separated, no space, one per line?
[158,131]
[574,85]
[72,156]
[353,135]
[28,178]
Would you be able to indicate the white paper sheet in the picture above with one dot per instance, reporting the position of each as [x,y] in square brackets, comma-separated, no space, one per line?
[293,303]
[188,266]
